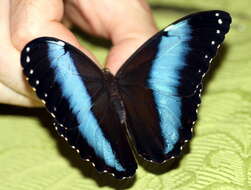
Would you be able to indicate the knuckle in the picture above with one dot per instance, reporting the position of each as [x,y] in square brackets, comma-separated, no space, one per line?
[21,35]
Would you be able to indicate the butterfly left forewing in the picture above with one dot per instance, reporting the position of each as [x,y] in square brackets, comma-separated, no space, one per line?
[72,88]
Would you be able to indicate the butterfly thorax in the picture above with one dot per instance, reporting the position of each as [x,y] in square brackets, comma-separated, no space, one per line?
[111,83]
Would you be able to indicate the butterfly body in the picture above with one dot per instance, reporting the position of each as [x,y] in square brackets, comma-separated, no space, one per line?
[112,86]
[150,103]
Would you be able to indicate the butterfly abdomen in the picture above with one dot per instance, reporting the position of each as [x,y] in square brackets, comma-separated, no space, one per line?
[111,84]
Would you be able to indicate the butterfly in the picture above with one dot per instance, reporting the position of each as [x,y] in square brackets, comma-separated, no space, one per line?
[149,107]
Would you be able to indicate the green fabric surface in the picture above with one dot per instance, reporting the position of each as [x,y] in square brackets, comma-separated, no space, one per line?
[33,157]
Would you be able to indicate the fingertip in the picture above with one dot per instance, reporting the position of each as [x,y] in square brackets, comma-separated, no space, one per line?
[126,46]
[10,97]
[50,29]
[21,36]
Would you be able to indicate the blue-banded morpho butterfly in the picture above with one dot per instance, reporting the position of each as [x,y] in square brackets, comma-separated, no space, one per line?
[148,108]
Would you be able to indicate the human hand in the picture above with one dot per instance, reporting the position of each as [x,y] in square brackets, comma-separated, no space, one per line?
[127,23]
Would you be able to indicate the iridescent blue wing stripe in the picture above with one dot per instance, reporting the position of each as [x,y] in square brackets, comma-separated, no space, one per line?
[73,88]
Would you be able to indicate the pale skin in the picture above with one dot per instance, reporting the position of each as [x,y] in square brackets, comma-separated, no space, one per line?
[127,23]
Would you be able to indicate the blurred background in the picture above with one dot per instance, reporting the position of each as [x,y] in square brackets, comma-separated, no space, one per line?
[33,157]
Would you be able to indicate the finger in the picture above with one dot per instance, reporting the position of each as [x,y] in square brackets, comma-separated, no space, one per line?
[32,19]
[128,23]
[138,23]
[4,23]
[129,35]
[10,73]
[106,18]
[75,14]
[122,50]
[8,96]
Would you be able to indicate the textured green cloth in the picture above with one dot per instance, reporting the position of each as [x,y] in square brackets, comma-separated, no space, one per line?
[32,157]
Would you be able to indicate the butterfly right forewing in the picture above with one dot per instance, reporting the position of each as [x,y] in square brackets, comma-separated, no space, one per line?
[161,82]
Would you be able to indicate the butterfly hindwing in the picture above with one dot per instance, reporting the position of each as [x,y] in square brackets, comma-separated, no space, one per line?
[161,82]
[72,88]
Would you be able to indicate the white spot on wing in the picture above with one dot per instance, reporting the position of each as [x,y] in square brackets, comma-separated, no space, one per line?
[28,49]
[37,82]
[217,14]
[218,31]
[220,21]
[61,43]
[169,27]
[31,71]
[28,59]
[213,42]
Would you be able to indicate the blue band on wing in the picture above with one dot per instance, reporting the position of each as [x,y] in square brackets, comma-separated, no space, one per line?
[171,55]
[80,102]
